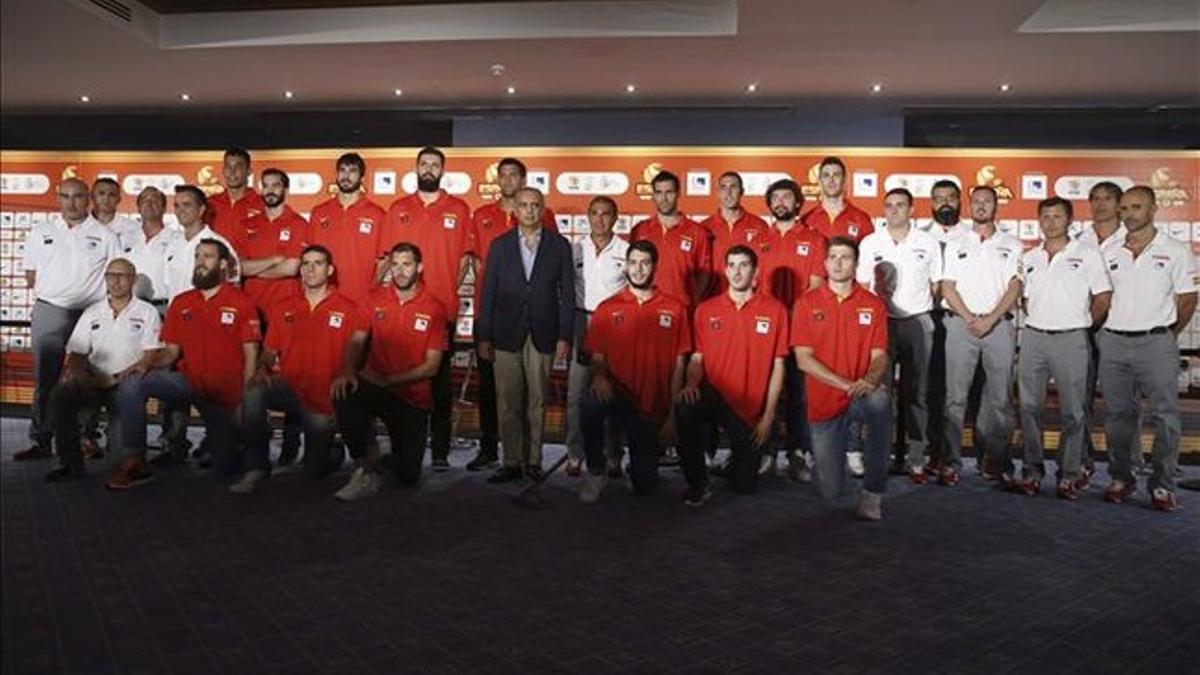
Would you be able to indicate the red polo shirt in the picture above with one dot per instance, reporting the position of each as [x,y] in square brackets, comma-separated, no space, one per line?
[262,237]
[740,347]
[683,255]
[491,221]
[311,342]
[227,217]
[352,236]
[443,231]
[641,342]
[745,230]
[401,332]
[841,333]
[210,334]
[852,222]
[787,261]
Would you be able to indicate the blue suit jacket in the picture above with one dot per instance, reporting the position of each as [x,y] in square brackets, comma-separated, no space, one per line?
[512,308]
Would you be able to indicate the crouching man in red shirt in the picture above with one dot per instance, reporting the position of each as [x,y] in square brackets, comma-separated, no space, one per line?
[839,336]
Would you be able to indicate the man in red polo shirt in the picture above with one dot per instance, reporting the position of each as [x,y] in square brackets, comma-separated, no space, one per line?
[305,344]
[349,225]
[269,245]
[734,378]
[211,336]
[792,256]
[637,342]
[407,330]
[834,215]
[229,210]
[839,336]
[731,224]
[683,253]
[440,225]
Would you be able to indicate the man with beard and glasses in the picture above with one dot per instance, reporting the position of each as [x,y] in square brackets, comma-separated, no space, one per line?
[491,221]
[981,284]
[792,257]
[106,197]
[211,337]
[229,210]
[637,342]
[349,225]
[302,354]
[391,378]
[731,224]
[1155,282]
[684,259]
[734,378]
[440,225]
[834,215]
[903,266]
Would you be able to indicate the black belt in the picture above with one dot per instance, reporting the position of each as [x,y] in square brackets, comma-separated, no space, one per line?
[585,311]
[1054,332]
[159,303]
[906,318]
[1157,330]
[1007,316]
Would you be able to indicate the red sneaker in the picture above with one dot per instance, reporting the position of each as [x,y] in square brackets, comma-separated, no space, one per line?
[1029,487]
[1084,481]
[1067,490]
[573,468]
[1163,499]
[131,473]
[1118,492]
[918,476]
[948,477]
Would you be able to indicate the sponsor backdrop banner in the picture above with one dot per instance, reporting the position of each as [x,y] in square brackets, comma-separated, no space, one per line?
[570,177]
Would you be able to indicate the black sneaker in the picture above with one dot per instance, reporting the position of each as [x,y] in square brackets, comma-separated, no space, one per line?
[63,472]
[697,496]
[440,465]
[483,461]
[535,471]
[505,474]
[32,452]
[170,457]
[288,455]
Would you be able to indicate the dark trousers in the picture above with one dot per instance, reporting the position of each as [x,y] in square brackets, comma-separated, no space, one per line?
[67,400]
[443,404]
[641,433]
[321,457]
[799,438]
[697,423]
[406,427]
[489,421]
[936,391]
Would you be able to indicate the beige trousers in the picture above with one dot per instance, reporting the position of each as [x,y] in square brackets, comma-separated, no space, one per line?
[521,379]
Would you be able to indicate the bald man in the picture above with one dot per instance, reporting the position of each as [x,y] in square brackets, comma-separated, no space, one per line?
[64,263]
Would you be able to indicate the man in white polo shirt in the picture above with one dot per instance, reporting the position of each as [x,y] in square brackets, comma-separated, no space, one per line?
[149,249]
[114,338]
[1154,282]
[1067,291]
[903,265]
[106,197]
[980,284]
[599,274]
[64,264]
[190,207]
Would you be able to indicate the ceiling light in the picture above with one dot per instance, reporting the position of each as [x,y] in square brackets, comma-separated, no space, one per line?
[398,92]
[85,99]
[630,88]
[497,69]
[288,94]
[512,89]
[1005,88]
[877,88]
[185,96]
[751,88]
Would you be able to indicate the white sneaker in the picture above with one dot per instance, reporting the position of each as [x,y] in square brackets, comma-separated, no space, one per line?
[249,482]
[854,462]
[367,485]
[351,486]
[766,465]
[870,506]
[593,485]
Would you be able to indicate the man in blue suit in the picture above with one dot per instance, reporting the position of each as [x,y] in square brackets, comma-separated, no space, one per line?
[525,322]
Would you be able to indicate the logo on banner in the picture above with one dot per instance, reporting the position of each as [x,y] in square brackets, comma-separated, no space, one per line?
[206,180]
[987,176]
[1167,192]
[489,187]
[644,189]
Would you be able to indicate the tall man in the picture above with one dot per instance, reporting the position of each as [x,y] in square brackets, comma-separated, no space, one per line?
[106,197]
[637,342]
[840,339]
[903,265]
[981,285]
[1067,291]
[190,208]
[439,224]
[684,258]
[1154,282]
[731,224]
[526,321]
[834,215]
[599,274]
[349,225]
[230,209]
[64,265]
[113,340]
[269,245]
[211,336]
[407,330]
[734,377]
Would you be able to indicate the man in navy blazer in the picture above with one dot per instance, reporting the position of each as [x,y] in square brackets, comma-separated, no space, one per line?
[525,322]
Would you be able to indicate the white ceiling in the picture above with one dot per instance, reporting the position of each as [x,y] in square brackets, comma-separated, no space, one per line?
[925,52]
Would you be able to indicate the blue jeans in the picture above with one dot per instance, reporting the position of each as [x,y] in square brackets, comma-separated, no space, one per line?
[172,389]
[641,433]
[831,439]
[320,457]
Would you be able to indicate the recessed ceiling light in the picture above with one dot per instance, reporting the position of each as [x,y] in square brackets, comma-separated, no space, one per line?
[877,88]
[631,88]
[185,96]
[497,69]
[288,94]
[398,92]
[85,99]
[512,90]
[752,87]
[1005,88]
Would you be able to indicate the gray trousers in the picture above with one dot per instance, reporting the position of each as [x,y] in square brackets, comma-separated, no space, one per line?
[910,343]
[51,328]
[994,423]
[1063,356]
[1149,365]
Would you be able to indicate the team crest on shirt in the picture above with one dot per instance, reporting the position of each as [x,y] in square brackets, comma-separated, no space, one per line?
[878,258]
[762,325]
[1005,253]
[228,316]
[1160,261]
[380,313]
[714,323]
[93,243]
[365,225]
[665,320]
[136,325]
[449,221]
[289,317]
[95,325]
[962,255]
[250,213]
[685,244]
[252,234]
[750,235]
[186,315]
[618,317]
[47,240]
[285,235]
[865,317]
[421,323]
[324,223]
[1074,263]
[335,319]
[853,230]
[802,249]
[919,252]
[818,315]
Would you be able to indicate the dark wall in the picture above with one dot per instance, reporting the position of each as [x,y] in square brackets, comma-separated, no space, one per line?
[1174,128]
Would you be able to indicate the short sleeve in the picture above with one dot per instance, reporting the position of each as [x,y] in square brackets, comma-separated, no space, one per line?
[150,334]
[801,330]
[936,263]
[698,333]
[950,265]
[781,336]
[1098,281]
[171,325]
[683,340]
[33,250]
[251,328]
[437,338]
[865,272]
[80,341]
[1184,276]
[879,332]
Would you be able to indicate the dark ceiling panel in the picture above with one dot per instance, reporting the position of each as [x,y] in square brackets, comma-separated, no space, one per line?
[193,6]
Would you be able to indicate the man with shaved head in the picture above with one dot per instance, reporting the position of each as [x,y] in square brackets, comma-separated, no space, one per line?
[64,263]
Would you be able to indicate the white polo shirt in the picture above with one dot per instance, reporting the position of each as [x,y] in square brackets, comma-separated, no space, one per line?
[1115,240]
[113,343]
[127,229]
[1058,290]
[1144,288]
[981,269]
[598,274]
[901,272]
[69,261]
[944,235]
[181,261]
[150,259]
